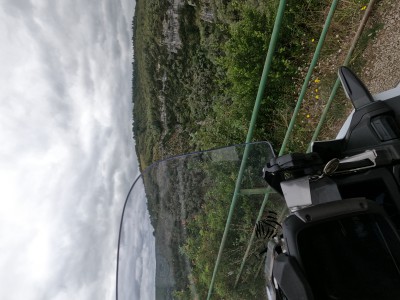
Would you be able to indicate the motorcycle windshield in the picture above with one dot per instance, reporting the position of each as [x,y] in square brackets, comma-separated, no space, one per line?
[188,200]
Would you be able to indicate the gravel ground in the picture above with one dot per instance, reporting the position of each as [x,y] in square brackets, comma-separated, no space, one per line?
[382,69]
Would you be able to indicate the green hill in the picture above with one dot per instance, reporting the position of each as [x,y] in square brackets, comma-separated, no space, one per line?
[197,66]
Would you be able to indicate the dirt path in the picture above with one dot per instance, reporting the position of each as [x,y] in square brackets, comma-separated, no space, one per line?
[382,68]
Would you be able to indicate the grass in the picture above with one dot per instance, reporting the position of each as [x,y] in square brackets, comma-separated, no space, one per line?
[369,34]
[343,27]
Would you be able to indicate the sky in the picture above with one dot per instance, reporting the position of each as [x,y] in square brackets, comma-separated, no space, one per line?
[67,159]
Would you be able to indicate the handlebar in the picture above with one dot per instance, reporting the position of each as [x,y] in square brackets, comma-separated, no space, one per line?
[345,193]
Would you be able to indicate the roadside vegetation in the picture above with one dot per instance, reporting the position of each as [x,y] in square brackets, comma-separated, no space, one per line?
[200,94]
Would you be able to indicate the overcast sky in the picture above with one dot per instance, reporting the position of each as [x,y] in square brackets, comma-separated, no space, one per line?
[67,154]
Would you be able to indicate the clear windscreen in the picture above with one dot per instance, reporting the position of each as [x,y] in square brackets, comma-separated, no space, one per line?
[188,200]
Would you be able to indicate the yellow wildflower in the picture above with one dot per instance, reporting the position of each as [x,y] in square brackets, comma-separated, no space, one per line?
[312,40]
[308,116]
[317,97]
[316,90]
[364,7]
[317,80]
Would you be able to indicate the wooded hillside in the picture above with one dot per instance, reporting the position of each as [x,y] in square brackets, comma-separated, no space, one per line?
[197,69]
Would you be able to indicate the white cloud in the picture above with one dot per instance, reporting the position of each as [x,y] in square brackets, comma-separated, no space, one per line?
[67,156]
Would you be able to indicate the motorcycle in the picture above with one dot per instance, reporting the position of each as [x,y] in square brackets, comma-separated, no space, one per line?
[341,239]
[329,230]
